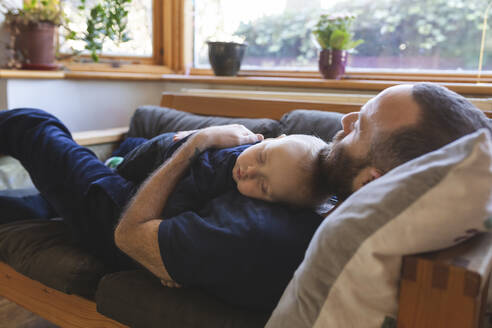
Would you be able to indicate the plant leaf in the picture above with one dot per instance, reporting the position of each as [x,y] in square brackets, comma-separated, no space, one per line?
[339,39]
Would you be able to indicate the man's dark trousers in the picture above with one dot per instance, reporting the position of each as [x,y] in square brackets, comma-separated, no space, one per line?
[79,187]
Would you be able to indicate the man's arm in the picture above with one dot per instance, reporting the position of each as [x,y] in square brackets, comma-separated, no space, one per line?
[137,231]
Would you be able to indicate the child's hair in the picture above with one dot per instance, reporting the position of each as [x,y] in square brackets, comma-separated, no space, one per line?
[312,192]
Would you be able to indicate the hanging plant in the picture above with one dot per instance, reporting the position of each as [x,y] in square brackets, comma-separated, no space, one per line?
[106,19]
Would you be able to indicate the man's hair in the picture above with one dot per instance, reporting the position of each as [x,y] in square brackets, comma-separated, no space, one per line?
[444,117]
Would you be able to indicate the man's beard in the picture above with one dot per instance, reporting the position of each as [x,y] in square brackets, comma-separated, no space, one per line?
[341,169]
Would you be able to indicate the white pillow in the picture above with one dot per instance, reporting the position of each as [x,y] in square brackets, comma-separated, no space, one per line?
[13,175]
[350,274]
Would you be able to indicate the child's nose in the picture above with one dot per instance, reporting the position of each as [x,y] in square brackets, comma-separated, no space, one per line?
[251,172]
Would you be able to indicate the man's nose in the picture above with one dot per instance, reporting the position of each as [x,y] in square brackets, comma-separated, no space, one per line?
[348,121]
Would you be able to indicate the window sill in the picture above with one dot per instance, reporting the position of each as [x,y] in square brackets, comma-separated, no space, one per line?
[92,71]
[28,74]
[161,73]
[344,84]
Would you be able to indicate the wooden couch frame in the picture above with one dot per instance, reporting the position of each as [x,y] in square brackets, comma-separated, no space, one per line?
[441,289]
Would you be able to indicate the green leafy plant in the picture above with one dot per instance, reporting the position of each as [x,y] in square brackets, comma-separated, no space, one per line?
[33,12]
[333,32]
[106,19]
[435,34]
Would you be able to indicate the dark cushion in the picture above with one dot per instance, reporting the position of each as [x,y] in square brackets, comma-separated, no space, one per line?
[150,121]
[138,299]
[321,124]
[42,250]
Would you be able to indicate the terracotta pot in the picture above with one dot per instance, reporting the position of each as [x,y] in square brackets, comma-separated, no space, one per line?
[332,63]
[225,57]
[36,44]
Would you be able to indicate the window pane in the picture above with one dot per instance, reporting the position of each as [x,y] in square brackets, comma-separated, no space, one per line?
[399,34]
[139,29]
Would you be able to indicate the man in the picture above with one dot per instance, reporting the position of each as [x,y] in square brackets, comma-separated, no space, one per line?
[399,124]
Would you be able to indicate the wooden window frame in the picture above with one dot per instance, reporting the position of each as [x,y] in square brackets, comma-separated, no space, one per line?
[167,45]
[375,75]
[372,75]
[173,54]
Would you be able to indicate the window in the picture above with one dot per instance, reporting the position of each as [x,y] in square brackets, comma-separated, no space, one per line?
[139,30]
[418,35]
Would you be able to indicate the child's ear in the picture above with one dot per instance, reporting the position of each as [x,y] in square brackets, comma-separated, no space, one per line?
[281,136]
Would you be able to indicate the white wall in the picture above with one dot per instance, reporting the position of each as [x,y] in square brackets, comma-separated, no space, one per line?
[82,104]
[95,104]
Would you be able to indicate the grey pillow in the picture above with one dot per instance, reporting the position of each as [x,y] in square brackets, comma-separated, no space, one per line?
[150,121]
[314,122]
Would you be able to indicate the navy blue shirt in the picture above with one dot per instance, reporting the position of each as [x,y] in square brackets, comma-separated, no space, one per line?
[242,250]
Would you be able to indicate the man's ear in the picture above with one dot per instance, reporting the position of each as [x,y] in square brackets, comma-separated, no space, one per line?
[365,176]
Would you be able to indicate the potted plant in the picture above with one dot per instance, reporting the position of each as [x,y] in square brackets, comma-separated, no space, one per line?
[226,56]
[33,29]
[333,36]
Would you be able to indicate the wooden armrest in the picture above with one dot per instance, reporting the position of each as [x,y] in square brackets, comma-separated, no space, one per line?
[69,311]
[95,137]
[447,288]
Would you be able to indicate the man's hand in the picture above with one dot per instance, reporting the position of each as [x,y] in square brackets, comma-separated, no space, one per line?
[225,136]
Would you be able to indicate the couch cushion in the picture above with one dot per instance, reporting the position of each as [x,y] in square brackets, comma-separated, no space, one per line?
[12,174]
[138,299]
[350,274]
[319,123]
[42,250]
[150,121]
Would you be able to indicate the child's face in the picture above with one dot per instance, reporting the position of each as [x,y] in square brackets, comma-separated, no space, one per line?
[271,170]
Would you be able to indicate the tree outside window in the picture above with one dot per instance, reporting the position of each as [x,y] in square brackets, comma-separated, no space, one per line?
[399,34]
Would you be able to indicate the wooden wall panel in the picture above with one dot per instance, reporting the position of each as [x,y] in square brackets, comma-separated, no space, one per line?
[246,107]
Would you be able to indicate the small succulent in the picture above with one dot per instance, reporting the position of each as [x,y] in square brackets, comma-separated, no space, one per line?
[333,32]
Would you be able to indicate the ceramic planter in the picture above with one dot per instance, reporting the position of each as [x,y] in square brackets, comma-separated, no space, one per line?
[332,63]
[36,44]
[225,57]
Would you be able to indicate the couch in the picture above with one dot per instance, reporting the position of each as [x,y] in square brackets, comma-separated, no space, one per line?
[44,271]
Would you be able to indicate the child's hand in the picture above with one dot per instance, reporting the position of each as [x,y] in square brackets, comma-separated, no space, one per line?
[170,284]
[182,134]
[225,136]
